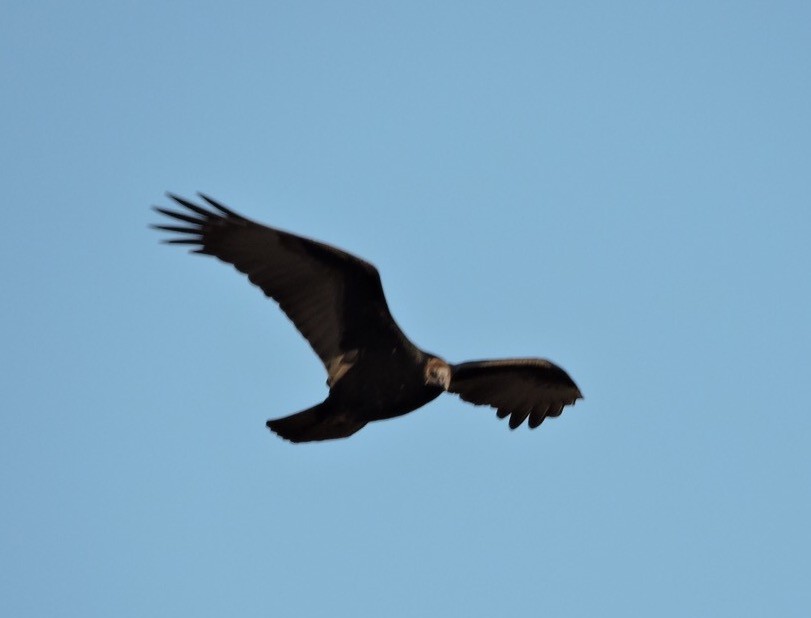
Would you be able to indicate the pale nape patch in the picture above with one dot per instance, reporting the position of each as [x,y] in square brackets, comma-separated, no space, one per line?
[438,373]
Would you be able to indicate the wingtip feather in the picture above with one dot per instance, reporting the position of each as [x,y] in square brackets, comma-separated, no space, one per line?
[214,203]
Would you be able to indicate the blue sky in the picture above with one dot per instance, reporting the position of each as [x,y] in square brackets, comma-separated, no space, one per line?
[620,187]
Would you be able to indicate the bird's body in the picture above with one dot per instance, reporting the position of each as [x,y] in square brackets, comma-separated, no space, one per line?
[382,384]
[385,383]
[373,371]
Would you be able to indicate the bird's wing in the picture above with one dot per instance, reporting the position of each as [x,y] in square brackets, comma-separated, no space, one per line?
[518,388]
[335,299]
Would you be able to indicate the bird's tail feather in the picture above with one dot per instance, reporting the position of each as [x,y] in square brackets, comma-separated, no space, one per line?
[320,422]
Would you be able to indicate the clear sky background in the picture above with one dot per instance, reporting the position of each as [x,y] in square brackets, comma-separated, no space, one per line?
[620,187]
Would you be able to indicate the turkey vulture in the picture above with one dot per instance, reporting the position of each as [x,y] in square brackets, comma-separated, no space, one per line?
[336,301]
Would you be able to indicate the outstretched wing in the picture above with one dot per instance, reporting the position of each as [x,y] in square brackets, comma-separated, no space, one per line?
[518,388]
[335,299]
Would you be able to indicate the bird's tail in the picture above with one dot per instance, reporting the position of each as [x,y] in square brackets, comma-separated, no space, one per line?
[320,422]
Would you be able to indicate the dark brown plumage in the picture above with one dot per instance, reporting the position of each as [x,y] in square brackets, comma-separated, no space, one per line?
[336,301]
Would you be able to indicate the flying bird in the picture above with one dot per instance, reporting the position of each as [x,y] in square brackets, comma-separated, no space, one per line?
[336,301]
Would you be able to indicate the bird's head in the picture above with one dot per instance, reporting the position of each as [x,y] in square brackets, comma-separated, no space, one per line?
[437,373]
